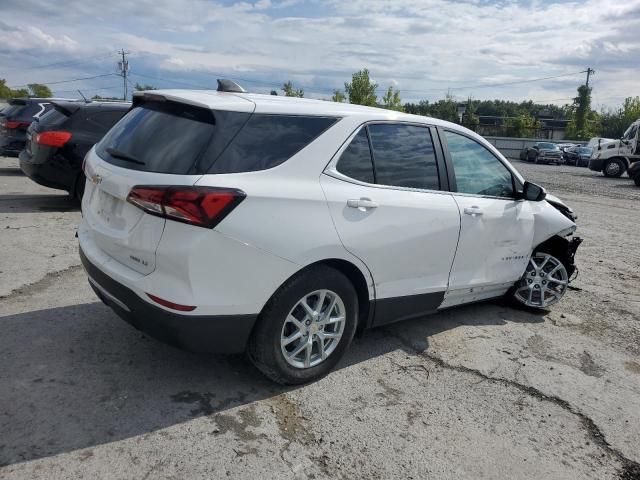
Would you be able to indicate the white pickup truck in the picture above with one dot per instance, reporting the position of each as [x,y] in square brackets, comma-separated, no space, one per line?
[615,157]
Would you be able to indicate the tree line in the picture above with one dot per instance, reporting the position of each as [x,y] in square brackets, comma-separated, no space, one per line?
[33,90]
[517,119]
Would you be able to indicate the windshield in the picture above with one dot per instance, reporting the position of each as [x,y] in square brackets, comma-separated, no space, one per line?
[630,134]
[549,146]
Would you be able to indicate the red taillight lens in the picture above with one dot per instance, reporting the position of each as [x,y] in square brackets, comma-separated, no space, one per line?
[171,305]
[12,125]
[53,139]
[201,206]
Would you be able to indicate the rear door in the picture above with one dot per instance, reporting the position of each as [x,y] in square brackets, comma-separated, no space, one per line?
[383,190]
[156,143]
[496,233]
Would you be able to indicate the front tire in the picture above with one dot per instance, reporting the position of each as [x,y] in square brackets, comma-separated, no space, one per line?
[306,326]
[543,283]
[636,179]
[614,168]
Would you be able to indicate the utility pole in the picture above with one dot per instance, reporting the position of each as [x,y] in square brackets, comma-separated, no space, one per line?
[590,72]
[123,69]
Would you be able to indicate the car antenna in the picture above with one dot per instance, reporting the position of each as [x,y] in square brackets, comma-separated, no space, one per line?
[85,98]
[225,85]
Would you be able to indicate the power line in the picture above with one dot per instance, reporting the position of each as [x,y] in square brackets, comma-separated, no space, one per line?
[69,63]
[67,81]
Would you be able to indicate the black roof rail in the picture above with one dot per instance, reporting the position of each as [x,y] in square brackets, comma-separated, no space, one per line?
[225,85]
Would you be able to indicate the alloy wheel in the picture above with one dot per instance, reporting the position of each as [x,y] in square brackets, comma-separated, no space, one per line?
[313,329]
[543,283]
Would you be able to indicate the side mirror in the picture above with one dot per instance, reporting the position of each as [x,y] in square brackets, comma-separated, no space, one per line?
[533,192]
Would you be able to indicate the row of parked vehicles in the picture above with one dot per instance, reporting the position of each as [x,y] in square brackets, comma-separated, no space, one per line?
[611,157]
[51,136]
[224,221]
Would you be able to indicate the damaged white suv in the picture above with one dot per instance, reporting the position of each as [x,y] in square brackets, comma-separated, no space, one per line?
[228,222]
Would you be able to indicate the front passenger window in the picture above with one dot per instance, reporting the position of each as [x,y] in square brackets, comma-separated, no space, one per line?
[476,169]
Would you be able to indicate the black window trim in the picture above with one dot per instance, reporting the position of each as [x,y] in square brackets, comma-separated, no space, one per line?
[516,184]
[332,171]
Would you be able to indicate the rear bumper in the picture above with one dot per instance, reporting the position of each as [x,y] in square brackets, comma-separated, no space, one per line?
[48,174]
[215,334]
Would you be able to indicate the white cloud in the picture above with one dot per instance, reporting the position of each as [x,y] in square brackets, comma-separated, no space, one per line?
[422,46]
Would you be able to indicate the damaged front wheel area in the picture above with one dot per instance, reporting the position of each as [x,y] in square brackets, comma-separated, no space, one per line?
[544,282]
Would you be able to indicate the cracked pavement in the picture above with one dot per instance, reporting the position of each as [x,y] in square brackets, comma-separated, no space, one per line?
[482,391]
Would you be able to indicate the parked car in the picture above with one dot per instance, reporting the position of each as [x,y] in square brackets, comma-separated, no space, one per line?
[578,156]
[222,221]
[58,141]
[634,173]
[544,152]
[15,121]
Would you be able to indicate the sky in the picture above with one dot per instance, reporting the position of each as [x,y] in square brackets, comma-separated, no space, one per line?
[424,48]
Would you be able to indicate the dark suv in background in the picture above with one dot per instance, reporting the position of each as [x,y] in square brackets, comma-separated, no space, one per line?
[58,141]
[15,120]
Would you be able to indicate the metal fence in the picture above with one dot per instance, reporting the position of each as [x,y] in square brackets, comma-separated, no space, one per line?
[511,147]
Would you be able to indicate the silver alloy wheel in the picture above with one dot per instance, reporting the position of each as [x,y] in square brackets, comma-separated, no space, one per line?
[313,329]
[543,283]
[613,169]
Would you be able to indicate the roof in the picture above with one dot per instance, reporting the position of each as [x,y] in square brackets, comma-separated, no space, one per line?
[275,104]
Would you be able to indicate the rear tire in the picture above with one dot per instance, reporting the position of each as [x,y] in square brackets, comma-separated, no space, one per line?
[636,179]
[614,168]
[284,317]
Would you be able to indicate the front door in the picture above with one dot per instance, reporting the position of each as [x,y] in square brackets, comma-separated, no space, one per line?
[496,232]
[384,196]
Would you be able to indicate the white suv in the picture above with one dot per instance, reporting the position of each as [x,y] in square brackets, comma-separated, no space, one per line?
[231,222]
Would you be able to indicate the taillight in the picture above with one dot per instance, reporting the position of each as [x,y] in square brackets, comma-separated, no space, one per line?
[53,139]
[200,206]
[13,125]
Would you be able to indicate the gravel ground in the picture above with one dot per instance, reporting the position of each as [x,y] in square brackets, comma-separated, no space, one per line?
[482,391]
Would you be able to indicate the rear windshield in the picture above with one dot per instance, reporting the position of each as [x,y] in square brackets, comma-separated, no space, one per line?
[169,137]
[52,118]
[162,137]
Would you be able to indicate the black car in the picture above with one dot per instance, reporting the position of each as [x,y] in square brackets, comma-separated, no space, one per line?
[16,119]
[59,140]
[578,156]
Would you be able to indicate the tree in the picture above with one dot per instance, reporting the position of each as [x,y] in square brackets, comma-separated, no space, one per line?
[40,91]
[140,88]
[446,109]
[391,100]
[290,91]
[470,119]
[613,123]
[361,90]
[581,124]
[5,92]
[338,96]
[523,125]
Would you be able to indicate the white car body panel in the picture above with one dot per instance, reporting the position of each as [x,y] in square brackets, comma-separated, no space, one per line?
[295,215]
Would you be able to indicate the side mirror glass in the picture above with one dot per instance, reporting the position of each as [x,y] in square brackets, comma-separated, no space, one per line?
[533,192]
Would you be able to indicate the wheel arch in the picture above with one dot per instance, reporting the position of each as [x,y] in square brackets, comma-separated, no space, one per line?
[359,279]
[563,248]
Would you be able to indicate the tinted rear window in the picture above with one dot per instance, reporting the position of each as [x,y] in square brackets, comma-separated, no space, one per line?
[165,137]
[355,162]
[52,118]
[269,140]
[404,156]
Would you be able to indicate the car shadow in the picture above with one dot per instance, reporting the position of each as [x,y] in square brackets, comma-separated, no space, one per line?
[25,203]
[10,172]
[77,376]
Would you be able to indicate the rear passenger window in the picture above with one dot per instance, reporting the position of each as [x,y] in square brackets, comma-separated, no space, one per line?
[403,156]
[355,161]
[269,140]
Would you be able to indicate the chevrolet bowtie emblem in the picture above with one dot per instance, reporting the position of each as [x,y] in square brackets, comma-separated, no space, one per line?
[96,179]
